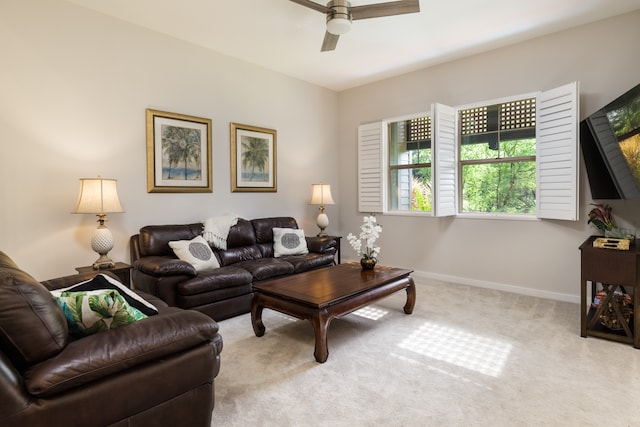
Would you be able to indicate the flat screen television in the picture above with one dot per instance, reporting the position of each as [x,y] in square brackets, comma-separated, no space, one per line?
[610,142]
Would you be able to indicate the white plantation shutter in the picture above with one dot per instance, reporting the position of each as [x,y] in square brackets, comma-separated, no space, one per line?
[371,168]
[444,160]
[557,153]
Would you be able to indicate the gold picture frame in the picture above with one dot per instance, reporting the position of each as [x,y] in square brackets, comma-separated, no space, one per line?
[253,159]
[179,158]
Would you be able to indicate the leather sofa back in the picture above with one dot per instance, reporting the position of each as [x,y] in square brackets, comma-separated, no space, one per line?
[247,240]
[241,244]
[154,239]
[264,227]
[32,325]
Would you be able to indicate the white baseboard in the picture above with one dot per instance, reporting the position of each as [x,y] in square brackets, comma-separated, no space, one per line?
[491,285]
[498,286]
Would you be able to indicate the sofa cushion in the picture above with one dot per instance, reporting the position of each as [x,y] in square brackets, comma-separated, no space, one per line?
[90,312]
[154,239]
[289,241]
[264,227]
[310,261]
[196,301]
[266,268]
[32,326]
[223,277]
[196,252]
[241,234]
[235,255]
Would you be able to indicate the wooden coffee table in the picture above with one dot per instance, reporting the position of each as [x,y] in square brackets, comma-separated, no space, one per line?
[322,295]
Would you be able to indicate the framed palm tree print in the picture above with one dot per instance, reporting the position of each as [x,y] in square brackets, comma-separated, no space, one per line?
[178,153]
[253,159]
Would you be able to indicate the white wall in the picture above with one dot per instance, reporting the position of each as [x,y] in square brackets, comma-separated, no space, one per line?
[74,86]
[533,257]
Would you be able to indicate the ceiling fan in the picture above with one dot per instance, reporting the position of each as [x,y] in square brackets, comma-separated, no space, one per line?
[340,13]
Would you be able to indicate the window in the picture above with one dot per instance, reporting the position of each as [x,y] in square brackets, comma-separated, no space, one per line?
[410,184]
[497,155]
[508,157]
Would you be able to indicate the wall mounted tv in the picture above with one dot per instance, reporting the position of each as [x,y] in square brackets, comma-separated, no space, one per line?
[610,141]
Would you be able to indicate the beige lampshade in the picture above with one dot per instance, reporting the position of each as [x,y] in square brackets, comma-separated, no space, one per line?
[321,194]
[98,196]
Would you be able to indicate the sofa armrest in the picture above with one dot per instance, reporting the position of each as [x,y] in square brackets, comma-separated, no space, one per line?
[106,354]
[164,266]
[322,244]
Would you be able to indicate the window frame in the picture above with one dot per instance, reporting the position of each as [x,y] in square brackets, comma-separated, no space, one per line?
[462,163]
[557,160]
[390,168]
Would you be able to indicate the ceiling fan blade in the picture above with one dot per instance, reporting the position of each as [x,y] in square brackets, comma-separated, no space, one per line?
[330,41]
[313,5]
[378,10]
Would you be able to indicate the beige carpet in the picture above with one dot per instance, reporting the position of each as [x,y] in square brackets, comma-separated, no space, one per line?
[465,357]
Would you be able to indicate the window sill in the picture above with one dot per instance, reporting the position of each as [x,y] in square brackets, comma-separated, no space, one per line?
[408,213]
[499,216]
[488,216]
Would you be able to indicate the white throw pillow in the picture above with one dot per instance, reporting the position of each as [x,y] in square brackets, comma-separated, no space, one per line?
[289,241]
[196,252]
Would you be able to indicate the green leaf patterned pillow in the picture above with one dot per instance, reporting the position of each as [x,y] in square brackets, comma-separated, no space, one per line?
[89,312]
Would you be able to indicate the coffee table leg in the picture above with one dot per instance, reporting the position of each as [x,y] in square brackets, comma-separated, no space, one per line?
[256,317]
[320,323]
[411,296]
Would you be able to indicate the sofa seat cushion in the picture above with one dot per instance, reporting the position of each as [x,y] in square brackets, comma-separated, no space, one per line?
[199,300]
[220,278]
[308,262]
[266,268]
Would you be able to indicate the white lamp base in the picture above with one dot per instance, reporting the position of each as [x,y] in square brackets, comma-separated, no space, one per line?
[102,243]
[322,221]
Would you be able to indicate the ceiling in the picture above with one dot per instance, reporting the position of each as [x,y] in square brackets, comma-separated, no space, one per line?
[285,37]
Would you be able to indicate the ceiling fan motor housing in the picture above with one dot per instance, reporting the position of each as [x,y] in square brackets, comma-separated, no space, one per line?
[339,21]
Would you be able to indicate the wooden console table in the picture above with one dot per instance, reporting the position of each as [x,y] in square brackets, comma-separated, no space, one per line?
[613,269]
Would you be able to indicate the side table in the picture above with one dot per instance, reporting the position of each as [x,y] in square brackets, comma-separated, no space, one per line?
[612,269]
[122,270]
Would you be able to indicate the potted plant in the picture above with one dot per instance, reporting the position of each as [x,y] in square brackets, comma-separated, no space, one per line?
[601,216]
[364,244]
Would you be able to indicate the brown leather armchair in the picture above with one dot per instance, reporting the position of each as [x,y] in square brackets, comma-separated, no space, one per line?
[156,371]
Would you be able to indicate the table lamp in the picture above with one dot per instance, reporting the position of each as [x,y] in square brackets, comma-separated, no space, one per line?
[99,196]
[321,195]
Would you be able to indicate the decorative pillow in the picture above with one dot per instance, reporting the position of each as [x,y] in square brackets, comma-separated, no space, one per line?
[196,252]
[289,241]
[89,312]
[105,282]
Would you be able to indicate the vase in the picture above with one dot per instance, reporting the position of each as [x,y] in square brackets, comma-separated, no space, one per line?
[368,263]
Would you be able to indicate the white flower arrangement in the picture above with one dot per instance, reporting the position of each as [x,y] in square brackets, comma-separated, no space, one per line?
[370,231]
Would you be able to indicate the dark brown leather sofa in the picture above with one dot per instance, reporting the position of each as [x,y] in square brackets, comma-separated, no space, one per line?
[226,291]
[157,371]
